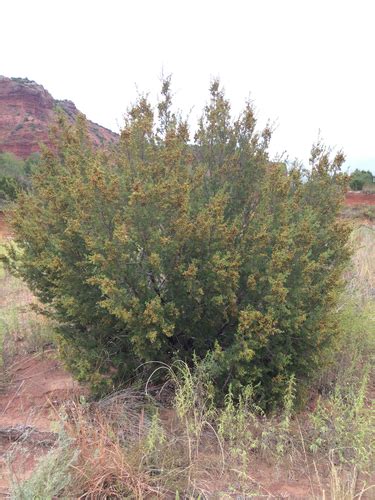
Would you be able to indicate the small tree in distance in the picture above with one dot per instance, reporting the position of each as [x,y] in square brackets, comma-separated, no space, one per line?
[360,178]
[164,249]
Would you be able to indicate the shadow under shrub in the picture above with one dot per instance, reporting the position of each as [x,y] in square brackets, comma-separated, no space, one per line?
[163,248]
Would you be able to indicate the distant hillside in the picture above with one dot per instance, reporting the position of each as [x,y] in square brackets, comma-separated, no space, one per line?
[27,111]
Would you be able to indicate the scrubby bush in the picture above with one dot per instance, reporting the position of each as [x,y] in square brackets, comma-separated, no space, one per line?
[163,248]
[356,184]
[9,187]
[360,178]
[15,175]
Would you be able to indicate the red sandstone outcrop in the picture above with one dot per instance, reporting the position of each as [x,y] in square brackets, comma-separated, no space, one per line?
[27,111]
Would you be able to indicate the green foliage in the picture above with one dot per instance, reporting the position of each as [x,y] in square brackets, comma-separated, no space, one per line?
[345,423]
[2,323]
[360,178]
[10,165]
[344,419]
[236,423]
[52,474]
[356,184]
[14,175]
[9,188]
[161,249]
[31,163]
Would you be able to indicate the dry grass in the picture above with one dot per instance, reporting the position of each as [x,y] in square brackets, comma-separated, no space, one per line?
[106,467]
[118,449]
[361,213]
[361,275]
[369,188]
[22,329]
[127,447]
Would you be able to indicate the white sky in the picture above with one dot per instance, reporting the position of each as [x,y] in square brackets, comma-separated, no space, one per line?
[307,64]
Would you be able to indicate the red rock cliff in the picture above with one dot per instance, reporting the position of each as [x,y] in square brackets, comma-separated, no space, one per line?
[27,111]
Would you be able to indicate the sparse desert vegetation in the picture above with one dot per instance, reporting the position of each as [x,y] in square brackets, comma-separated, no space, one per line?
[217,309]
[187,262]
[174,442]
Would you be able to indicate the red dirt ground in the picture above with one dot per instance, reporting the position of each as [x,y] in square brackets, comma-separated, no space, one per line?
[358,198]
[38,385]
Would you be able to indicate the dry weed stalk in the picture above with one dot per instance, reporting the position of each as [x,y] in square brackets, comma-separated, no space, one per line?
[109,437]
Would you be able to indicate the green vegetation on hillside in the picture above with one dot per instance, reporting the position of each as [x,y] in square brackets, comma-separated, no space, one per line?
[162,251]
[15,175]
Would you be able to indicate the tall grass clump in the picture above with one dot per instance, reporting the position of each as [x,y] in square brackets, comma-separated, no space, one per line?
[343,422]
[23,330]
[121,447]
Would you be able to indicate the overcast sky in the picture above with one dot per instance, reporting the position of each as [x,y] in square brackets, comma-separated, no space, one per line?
[307,64]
